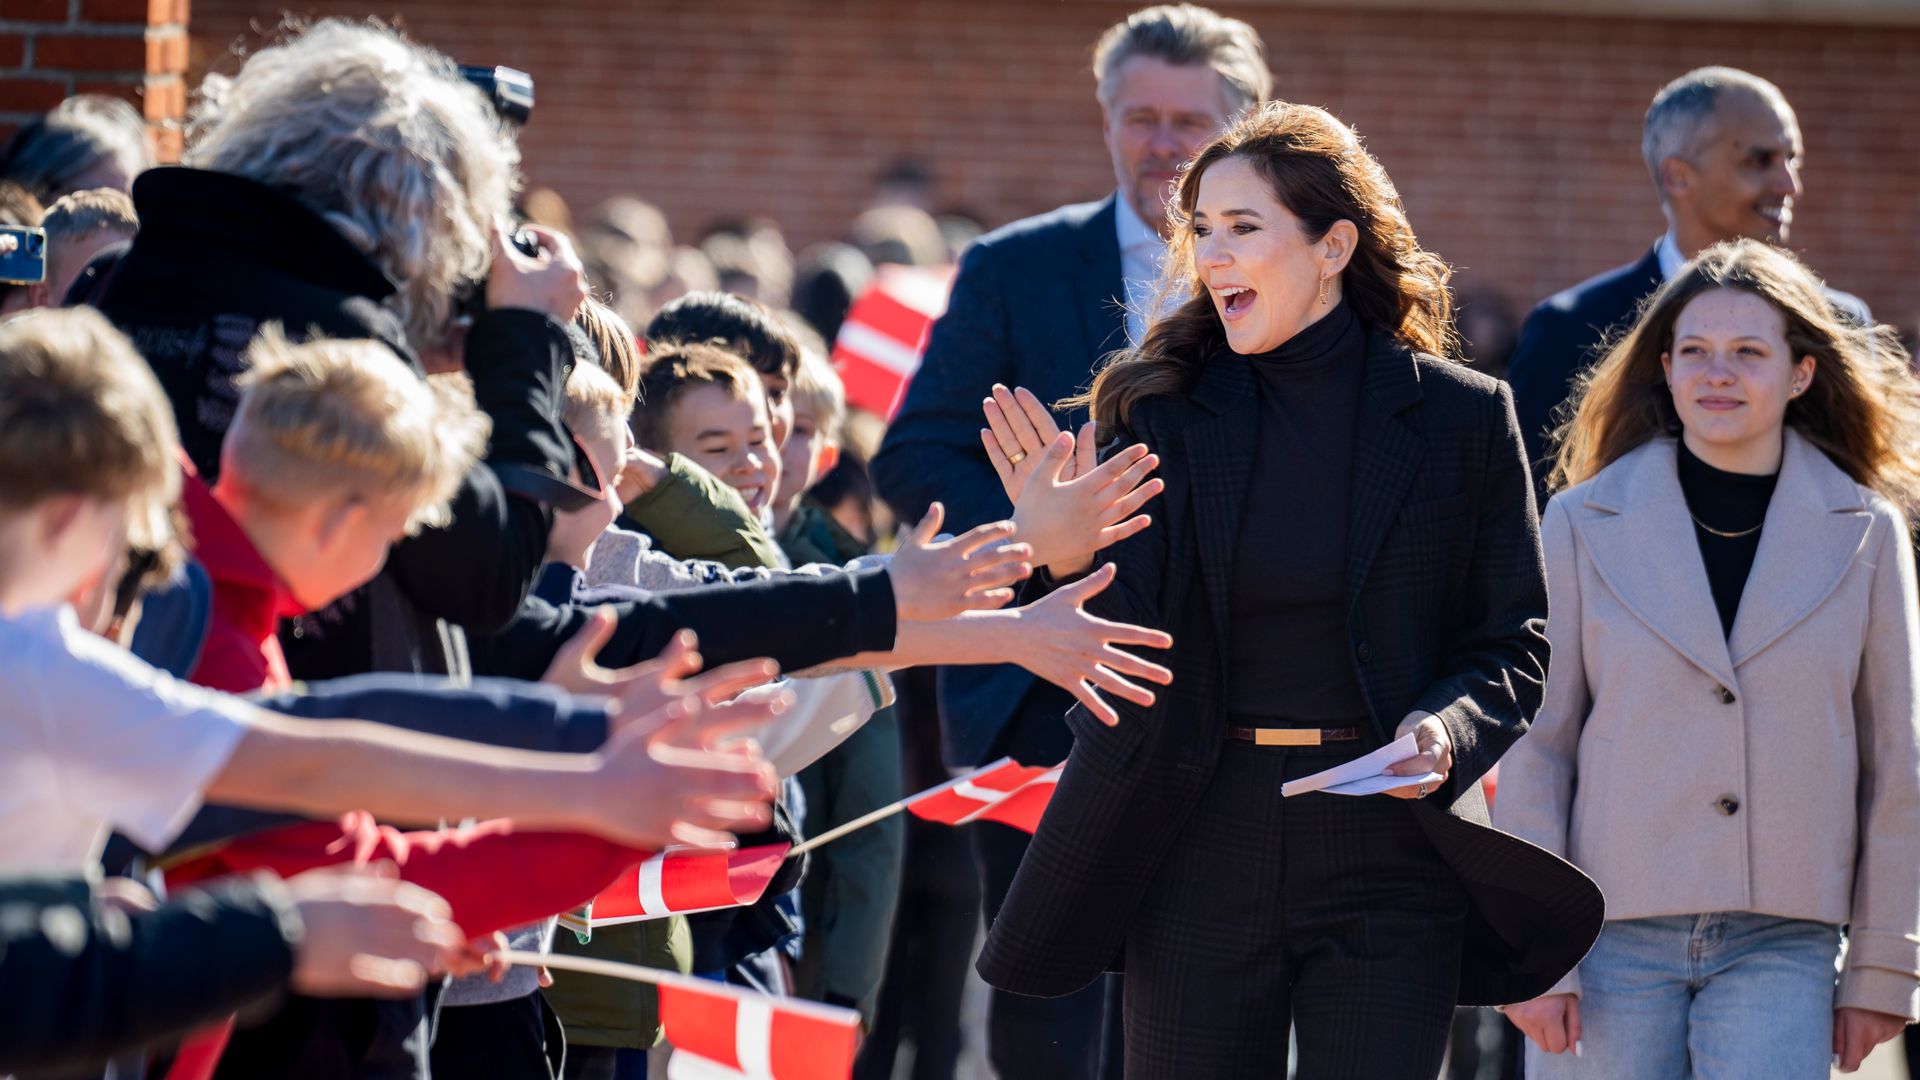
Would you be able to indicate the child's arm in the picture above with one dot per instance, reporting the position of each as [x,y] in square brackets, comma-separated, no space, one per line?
[695,516]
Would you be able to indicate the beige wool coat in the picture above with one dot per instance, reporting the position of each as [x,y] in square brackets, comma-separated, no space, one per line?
[1776,772]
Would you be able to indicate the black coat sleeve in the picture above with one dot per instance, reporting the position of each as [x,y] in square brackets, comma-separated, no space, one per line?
[79,984]
[475,571]
[799,621]
[1496,671]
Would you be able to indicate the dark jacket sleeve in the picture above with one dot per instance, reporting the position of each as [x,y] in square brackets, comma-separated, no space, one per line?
[497,712]
[1496,674]
[798,620]
[1540,372]
[475,571]
[932,449]
[79,984]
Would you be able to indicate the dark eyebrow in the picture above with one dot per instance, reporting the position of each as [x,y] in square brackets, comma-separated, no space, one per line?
[713,433]
[1240,213]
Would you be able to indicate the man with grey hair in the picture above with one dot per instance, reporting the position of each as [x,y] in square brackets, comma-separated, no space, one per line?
[1038,304]
[1723,147]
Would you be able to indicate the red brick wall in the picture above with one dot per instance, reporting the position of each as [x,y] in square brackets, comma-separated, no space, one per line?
[1513,138]
[132,49]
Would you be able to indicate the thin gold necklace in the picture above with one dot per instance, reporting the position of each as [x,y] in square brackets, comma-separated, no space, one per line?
[1721,532]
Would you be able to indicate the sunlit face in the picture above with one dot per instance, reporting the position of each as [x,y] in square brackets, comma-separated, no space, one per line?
[779,408]
[1262,271]
[729,437]
[344,541]
[1732,373]
[800,458]
[1160,115]
[1744,177]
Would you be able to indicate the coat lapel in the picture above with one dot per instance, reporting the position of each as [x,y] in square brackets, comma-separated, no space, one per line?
[1221,446]
[1814,527]
[1103,296]
[1643,546]
[1386,454]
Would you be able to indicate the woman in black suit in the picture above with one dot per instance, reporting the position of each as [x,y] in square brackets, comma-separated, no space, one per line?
[1345,550]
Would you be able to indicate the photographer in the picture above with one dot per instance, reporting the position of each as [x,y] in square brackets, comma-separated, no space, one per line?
[348,183]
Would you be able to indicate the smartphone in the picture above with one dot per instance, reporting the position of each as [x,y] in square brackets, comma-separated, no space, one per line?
[23,262]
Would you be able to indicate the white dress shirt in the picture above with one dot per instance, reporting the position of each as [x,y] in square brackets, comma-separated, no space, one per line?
[1668,251]
[1142,253]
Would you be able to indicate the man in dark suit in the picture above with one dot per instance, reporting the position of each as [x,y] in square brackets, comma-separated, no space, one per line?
[1724,149]
[1038,304]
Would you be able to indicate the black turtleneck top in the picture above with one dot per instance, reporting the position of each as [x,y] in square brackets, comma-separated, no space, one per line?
[1729,503]
[1287,637]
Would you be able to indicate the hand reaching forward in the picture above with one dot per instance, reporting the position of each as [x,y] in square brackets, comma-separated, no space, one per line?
[641,692]
[659,782]
[1019,429]
[938,579]
[368,935]
[1061,643]
[1066,520]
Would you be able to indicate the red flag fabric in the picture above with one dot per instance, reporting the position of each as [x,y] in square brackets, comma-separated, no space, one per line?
[683,882]
[722,1031]
[1005,791]
[878,347]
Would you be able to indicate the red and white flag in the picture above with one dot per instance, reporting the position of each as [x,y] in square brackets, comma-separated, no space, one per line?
[685,882]
[1005,791]
[878,347]
[721,1032]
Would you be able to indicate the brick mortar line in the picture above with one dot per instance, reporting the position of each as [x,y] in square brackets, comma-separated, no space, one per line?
[100,30]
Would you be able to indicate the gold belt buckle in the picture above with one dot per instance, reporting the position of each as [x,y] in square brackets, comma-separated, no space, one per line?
[1274,736]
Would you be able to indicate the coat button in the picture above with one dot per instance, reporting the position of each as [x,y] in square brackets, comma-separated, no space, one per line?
[1725,695]
[1365,654]
[1727,805]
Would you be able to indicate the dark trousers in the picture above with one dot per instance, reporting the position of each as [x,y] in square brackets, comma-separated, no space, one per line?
[518,1039]
[1064,1038]
[1331,911]
[928,960]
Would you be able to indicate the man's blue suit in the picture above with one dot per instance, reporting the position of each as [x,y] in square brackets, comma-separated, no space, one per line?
[1036,304]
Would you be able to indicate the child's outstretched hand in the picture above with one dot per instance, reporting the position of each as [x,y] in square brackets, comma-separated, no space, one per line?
[938,579]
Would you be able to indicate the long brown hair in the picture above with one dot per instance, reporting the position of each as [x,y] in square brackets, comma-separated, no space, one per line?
[1862,408]
[1320,172]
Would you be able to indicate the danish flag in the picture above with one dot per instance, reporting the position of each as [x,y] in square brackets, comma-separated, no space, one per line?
[721,1032]
[878,347]
[684,882]
[1005,791]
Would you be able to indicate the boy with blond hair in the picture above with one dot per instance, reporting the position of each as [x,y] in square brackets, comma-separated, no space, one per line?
[92,739]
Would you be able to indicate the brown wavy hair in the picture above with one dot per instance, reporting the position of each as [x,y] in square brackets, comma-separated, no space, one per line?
[1862,408]
[1317,169]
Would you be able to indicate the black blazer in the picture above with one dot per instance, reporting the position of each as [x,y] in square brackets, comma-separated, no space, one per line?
[1448,609]
[1036,304]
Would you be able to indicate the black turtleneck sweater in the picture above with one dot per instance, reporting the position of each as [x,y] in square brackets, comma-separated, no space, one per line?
[1730,503]
[1287,640]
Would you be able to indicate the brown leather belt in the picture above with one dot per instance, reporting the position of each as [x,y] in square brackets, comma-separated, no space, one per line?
[1280,736]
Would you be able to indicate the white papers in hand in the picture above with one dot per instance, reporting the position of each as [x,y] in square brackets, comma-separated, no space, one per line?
[1364,775]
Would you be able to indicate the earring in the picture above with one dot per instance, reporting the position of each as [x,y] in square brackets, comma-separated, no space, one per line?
[1323,292]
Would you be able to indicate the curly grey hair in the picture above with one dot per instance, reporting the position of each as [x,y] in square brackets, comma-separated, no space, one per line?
[385,140]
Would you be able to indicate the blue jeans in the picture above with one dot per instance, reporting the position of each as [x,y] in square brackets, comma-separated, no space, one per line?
[1724,996]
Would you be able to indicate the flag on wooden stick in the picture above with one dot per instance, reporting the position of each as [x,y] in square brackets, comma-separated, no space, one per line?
[682,883]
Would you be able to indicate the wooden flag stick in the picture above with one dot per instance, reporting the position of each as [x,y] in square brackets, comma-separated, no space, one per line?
[588,965]
[885,812]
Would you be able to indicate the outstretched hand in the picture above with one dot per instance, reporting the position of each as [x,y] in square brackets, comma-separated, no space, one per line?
[640,692]
[1019,429]
[1067,519]
[1060,642]
[667,780]
[938,579]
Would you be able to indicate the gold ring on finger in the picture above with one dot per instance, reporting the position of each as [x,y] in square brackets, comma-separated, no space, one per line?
[1016,457]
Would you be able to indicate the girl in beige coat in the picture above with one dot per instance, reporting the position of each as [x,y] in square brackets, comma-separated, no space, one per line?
[1729,743]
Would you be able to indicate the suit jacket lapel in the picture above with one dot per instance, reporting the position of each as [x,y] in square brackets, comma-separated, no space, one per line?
[1103,296]
[1220,448]
[1386,454]
[1643,547]
[1814,527]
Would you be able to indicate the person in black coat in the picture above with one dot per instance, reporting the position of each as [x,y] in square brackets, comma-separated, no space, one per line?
[1724,149]
[321,200]
[1037,304]
[1345,552]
